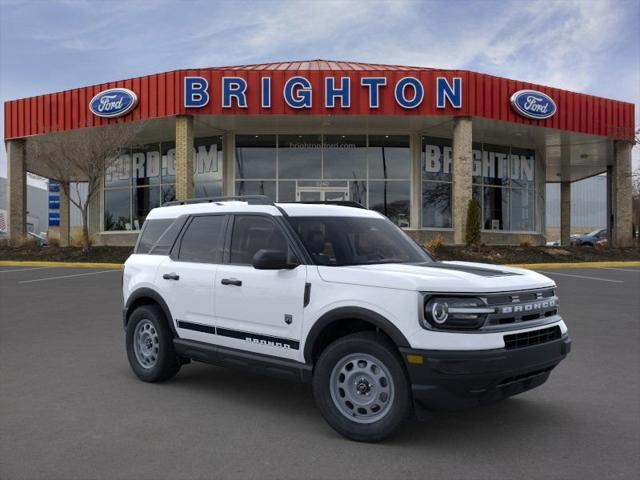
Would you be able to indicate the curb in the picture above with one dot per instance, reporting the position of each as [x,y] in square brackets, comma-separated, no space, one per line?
[531,266]
[28,263]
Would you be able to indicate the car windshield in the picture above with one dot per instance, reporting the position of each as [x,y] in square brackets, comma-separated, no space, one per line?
[594,233]
[340,241]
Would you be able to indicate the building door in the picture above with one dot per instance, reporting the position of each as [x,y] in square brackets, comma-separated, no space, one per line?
[322,192]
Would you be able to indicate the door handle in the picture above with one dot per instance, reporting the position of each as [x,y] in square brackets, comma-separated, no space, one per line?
[231,281]
[171,276]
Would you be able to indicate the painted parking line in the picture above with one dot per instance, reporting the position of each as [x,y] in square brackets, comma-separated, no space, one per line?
[582,276]
[66,276]
[24,269]
[637,270]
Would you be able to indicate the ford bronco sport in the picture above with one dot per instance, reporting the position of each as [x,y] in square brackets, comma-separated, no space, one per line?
[336,295]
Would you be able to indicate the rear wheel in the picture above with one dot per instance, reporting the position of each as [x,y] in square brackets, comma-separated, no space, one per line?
[361,387]
[150,345]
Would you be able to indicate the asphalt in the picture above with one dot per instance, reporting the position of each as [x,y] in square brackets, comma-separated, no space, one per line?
[70,407]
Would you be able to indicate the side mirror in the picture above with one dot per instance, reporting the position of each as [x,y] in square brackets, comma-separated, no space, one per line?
[272,260]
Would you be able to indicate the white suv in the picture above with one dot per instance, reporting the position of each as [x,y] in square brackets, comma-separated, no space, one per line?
[336,295]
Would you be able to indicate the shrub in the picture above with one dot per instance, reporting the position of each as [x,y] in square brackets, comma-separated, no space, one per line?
[435,244]
[472,233]
[525,243]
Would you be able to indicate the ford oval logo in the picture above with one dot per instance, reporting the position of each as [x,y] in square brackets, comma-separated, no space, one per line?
[114,102]
[533,104]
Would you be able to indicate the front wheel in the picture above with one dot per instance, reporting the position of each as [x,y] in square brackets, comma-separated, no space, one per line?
[150,345]
[361,387]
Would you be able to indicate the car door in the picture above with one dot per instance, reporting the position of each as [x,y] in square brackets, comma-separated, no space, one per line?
[187,277]
[259,310]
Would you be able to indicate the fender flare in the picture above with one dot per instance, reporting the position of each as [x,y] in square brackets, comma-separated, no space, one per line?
[352,313]
[145,292]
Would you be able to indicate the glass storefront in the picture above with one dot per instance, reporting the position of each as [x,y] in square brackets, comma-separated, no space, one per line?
[373,170]
[503,185]
[144,178]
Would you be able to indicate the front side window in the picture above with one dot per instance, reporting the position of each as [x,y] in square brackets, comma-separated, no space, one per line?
[342,241]
[252,233]
[203,241]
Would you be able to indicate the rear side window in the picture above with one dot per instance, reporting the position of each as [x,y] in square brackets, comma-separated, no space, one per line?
[203,241]
[152,231]
[168,238]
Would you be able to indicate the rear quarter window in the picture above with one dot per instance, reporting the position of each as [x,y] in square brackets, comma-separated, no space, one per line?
[152,232]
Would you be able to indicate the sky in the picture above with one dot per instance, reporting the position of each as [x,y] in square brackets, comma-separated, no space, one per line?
[590,46]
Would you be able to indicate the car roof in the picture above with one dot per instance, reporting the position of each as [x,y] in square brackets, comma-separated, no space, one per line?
[236,206]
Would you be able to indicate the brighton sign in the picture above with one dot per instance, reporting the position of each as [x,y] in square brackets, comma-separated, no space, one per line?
[408,92]
[113,103]
[533,104]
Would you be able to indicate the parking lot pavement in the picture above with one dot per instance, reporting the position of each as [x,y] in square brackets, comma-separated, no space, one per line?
[71,408]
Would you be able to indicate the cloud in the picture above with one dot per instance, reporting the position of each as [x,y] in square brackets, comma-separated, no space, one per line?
[584,45]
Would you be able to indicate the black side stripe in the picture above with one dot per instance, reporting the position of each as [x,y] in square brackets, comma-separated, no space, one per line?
[198,327]
[240,335]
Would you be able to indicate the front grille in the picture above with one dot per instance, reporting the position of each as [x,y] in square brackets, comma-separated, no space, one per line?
[517,307]
[534,337]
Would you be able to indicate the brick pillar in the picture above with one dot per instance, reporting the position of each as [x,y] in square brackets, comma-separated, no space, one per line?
[462,175]
[65,217]
[565,213]
[184,157]
[228,164]
[621,184]
[16,191]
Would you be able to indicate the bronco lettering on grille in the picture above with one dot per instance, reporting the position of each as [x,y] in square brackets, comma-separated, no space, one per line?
[529,307]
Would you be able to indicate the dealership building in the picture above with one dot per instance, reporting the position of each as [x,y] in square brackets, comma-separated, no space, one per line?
[414,143]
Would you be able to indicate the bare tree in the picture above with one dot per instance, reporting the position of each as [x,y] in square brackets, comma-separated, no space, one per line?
[82,156]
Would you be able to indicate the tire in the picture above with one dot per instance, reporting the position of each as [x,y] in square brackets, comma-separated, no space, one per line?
[361,387]
[151,356]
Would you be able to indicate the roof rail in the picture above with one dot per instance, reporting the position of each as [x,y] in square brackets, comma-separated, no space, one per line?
[342,203]
[250,199]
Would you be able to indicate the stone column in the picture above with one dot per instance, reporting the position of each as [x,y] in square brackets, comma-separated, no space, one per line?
[228,164]
[462,175]
[565,213]
[184,157]
[416,180]
[16,191]
[622,191]
[65,217]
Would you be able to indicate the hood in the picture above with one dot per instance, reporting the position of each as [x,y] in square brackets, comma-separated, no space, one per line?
[450,277]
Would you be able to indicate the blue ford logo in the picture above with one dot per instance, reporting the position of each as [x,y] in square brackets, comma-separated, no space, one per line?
[533,104]
[114,102]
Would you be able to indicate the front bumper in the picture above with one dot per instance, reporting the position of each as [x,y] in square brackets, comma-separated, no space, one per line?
[449,380]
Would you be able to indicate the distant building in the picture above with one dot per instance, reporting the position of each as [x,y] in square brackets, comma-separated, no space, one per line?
[588,204]
[37,205]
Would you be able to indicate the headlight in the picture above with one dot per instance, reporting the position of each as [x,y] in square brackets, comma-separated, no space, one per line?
[455,312]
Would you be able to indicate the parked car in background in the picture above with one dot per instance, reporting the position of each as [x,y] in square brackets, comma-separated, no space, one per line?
[41,239]
[590,239]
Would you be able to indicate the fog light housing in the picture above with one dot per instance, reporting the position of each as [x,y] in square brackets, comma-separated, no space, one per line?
[455,313]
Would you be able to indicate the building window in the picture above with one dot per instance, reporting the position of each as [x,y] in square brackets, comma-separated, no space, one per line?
[503,185]
[144,177]
[207,167]
[436,182]
[373,170]
[506,177]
